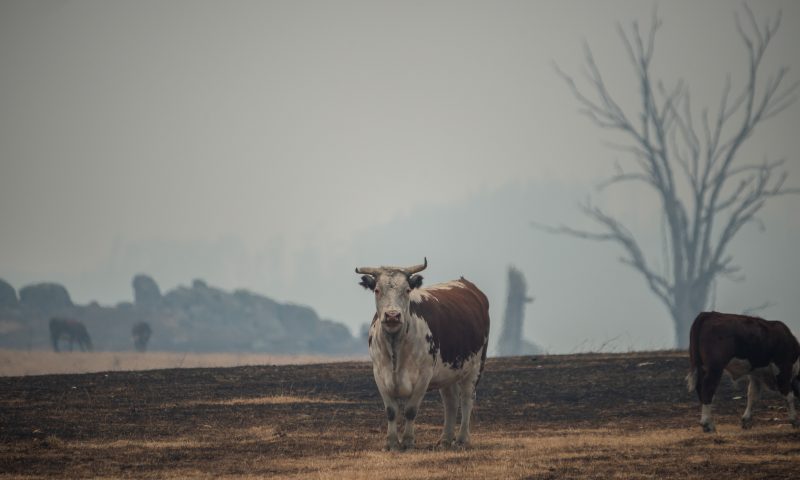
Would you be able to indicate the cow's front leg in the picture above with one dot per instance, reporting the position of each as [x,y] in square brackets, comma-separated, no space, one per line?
[708,384]
[392,409]
[410,413]
[753,394]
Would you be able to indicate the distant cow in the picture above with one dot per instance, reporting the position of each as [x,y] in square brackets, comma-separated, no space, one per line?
[71,330]
[141,335]
[422,339]
[764,350]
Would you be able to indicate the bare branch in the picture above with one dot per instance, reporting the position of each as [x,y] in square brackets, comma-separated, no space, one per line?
[627,43]
[624,177]
[754,310]
[597,113]
[565,230]
[620,234]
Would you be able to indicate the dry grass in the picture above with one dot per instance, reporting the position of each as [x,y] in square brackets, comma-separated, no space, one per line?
[571,453]
[269,400]
[19,363]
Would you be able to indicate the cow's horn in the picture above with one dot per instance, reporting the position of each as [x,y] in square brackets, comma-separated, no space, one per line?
[416,268]
[368,271]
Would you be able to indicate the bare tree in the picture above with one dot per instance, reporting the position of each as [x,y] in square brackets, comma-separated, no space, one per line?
[706,195]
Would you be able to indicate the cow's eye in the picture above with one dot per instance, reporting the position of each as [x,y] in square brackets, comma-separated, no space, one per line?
[408,290]
[377,291]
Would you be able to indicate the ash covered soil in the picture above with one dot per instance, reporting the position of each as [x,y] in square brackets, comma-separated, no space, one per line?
[284,420]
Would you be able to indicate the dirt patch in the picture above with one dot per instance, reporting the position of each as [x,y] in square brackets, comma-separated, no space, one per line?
[590,416]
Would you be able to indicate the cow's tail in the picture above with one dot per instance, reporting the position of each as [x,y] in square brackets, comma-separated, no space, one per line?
[691,380]
[694,352]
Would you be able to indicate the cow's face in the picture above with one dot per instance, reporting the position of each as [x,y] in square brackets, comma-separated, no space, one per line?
[392,289]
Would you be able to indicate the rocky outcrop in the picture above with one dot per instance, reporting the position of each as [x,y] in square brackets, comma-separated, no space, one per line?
[8,296]
[45,297]
[199,318]
[146,293]
[209,318]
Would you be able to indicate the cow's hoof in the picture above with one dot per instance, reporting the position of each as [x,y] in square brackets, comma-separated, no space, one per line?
[461,443]
[408,444]
[708,427]
[444,444]
[747,423]
[392,446]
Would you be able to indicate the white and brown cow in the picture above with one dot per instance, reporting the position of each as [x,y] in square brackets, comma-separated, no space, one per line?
[423,339]
[764,350]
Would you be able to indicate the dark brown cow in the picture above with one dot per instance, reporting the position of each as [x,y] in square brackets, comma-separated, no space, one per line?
[422,339]
[764,350]
[141,335]
[72,330]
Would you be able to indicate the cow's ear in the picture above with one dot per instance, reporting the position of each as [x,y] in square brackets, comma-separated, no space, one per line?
[368,282]
[415,281]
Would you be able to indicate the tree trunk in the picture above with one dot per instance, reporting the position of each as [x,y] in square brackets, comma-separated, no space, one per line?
[511,342]
[683,323]
[688,303]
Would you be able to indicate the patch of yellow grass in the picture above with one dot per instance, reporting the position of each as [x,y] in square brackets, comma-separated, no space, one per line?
[557,454]
[252,434]
[270,400]
[18,363]
[686,453]
[175,443]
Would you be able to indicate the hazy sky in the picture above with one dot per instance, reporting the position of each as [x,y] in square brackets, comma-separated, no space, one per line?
[258,144]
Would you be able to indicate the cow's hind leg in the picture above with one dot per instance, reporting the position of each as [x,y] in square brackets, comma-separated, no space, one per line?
[791,409]
[708,386]
[753,395]
[450,401]
[784,380]
[467,397]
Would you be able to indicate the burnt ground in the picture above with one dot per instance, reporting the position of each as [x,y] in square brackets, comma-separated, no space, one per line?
[273,420]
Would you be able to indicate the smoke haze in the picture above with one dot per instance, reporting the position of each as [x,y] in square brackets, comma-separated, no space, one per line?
[275,146]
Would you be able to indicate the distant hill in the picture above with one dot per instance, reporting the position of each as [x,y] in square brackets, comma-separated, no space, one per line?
[198,318]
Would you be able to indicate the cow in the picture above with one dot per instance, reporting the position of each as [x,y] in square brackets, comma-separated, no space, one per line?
[422,339]
[764,350]
[72,330]
[141,335]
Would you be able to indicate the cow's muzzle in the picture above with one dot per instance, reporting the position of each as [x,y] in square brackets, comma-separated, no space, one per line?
[392,319]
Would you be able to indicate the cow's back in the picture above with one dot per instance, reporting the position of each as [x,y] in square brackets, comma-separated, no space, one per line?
[741,336]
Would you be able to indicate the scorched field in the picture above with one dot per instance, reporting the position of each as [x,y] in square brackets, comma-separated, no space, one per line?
[578,416]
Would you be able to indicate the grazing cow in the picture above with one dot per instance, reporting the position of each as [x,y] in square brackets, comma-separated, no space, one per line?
[73,330]
[764,350]
[141,335]
[423,339]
